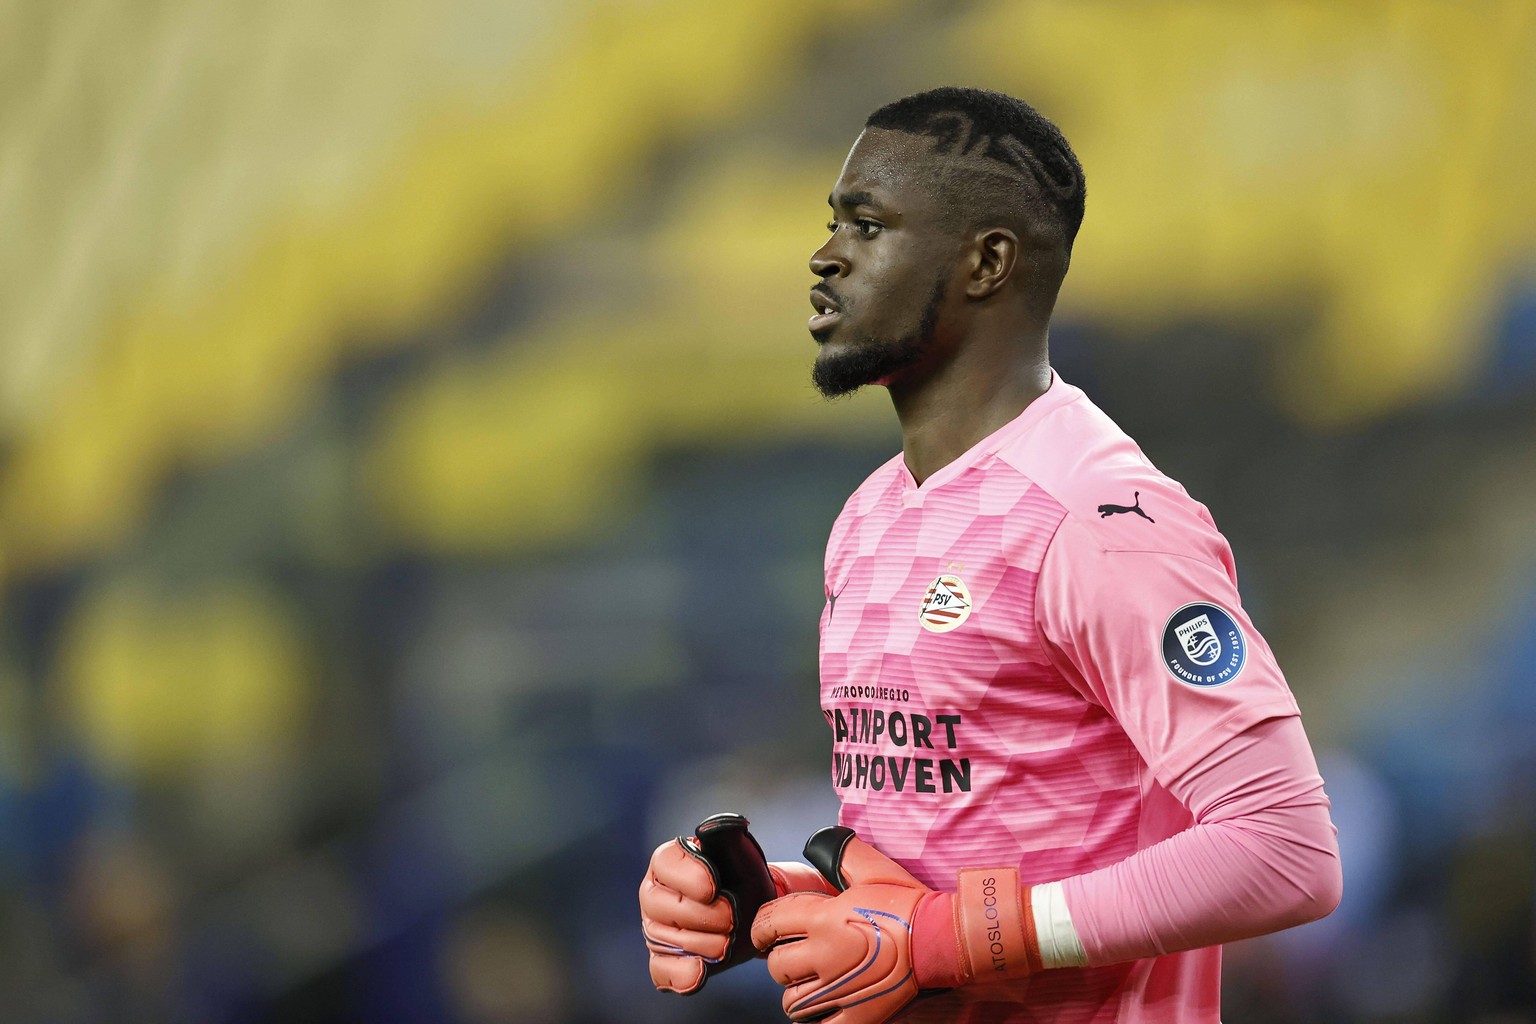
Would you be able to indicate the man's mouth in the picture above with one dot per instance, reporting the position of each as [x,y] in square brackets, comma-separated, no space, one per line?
[827,311]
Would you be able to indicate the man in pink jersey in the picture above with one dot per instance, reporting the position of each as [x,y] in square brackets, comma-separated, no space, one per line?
[1068,763]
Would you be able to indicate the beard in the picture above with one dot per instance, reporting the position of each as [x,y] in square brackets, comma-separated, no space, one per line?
[843,372]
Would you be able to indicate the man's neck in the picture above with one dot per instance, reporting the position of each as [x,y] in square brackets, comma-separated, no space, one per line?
[944,415]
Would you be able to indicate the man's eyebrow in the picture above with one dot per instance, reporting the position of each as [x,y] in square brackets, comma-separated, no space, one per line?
[848,199]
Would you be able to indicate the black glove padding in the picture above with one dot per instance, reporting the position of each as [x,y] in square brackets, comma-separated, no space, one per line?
[741,875]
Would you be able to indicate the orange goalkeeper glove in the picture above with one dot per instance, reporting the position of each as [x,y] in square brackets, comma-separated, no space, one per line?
[698,888]
[862,956]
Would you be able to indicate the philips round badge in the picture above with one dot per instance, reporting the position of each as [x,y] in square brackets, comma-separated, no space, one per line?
[1203,645]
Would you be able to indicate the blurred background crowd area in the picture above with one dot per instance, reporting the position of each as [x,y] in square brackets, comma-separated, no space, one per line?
[412,496]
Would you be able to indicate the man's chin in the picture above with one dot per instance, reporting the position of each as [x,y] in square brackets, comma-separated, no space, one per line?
[837,374]
[833,387]
[842,367]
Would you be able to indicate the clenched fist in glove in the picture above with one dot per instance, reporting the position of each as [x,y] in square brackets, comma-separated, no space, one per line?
[862,955]
[699,897]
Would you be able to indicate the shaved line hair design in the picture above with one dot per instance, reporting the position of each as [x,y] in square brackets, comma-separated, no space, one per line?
[997,161]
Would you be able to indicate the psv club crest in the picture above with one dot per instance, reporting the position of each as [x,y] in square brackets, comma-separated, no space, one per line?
[946,605]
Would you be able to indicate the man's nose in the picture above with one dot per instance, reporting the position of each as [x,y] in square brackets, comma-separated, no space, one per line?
[827,262]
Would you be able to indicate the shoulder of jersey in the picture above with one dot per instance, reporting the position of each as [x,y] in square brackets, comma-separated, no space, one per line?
[1082,458]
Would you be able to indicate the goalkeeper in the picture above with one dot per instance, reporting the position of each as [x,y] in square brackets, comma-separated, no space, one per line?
[1069,766]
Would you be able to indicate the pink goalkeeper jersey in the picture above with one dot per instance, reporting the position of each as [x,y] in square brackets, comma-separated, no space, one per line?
[1019,659]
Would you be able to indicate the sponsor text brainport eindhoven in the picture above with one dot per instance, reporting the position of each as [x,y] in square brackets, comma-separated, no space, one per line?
[902,772]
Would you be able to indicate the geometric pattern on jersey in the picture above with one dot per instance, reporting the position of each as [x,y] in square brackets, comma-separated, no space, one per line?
[972,748]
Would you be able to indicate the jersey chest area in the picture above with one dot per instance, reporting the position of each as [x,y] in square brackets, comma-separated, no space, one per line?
[938,596]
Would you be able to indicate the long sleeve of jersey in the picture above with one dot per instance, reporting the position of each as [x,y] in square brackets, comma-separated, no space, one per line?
[1256,860]
[1161,641]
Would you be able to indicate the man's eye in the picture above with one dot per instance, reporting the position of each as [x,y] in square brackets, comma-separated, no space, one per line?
[865,228]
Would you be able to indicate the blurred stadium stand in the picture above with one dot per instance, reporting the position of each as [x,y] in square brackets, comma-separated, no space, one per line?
[411,486]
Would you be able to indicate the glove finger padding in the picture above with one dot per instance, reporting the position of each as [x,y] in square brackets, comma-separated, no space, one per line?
[681,974]
[791,962]
[845,958]
[666,940]
[683,920]
[677,865]
[792,876]
[679,891]
[696,898]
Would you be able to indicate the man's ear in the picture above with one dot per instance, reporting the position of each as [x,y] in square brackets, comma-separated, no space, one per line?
[993,260]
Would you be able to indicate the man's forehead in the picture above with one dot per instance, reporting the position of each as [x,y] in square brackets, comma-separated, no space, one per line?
[884,164]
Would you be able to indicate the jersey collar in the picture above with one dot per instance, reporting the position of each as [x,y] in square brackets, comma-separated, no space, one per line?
[1058,394]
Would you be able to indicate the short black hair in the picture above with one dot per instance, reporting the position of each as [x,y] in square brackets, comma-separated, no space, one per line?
[1006,159]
